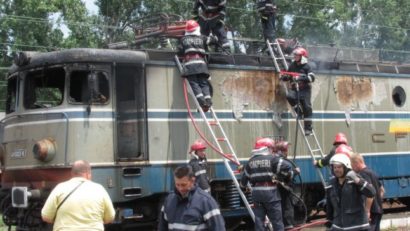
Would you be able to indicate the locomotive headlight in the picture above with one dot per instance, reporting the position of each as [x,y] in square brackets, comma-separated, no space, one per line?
[45,149]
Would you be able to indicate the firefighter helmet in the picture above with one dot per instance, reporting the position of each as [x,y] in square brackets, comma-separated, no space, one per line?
[191,26]
[341,158]
[301,51]
[344,149]
[340,138]
[282,146]
[198,145]
[264,142]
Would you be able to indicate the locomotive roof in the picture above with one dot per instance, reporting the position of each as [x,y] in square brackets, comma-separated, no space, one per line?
[81,55]
[321,59]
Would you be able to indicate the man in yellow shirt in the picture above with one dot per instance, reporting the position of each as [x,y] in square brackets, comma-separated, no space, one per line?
[79,203]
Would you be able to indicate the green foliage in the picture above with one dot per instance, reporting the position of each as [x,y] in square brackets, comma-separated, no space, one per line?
[38,24]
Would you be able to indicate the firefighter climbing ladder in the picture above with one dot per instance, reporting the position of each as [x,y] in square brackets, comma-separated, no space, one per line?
[277,56]
[312,142]
[214,121]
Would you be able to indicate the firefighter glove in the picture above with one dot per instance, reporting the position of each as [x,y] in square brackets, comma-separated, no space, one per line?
[351,175]
[285,77]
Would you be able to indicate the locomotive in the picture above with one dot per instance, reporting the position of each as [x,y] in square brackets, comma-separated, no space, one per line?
[124,112]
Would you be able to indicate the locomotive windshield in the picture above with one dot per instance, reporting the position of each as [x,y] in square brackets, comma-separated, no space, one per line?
[44,88]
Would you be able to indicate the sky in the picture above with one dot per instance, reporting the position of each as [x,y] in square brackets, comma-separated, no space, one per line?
[91,7]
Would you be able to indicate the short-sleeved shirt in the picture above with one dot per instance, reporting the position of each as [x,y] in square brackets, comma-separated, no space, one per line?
[87,208]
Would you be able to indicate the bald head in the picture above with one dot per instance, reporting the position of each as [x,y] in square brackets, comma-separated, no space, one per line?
[81,168]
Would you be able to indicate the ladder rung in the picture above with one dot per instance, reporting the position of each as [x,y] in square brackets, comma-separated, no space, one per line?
[316,150]
[213,123]
[221,139]
[236,172]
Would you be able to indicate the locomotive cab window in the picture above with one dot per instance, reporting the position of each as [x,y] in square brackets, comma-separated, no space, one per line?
[89,87]
[44,88]
[11,98]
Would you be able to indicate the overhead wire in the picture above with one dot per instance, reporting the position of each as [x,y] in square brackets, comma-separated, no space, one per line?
[34,19]
[48,20]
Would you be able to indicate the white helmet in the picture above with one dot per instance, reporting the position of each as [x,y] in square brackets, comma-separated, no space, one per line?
[341,158]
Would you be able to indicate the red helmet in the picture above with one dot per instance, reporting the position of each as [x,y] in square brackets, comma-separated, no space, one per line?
[264,142]
[344,149]
[191,25]
[198,145]
[301,51]
[282,146]
[340,138]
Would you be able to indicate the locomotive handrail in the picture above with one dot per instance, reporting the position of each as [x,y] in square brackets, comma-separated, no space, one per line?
[65,116]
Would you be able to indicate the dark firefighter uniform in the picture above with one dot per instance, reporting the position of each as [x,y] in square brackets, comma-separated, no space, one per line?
[285,192]
[261,168]
[212,19]
[346,204]
[199,166]
[305,92]
[197,211]
[193,49]
[267,10]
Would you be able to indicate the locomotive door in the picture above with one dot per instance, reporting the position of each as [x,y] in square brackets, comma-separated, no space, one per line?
[131,114]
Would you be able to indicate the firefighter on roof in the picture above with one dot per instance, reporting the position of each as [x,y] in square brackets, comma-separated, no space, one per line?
[193,47]
[199,164]
[299,95]
[267,11]
[262,170]
[211,16]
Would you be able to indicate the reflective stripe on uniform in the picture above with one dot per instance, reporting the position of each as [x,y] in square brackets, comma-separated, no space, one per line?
[351,227]
[279,165]
[203,171]
[364,186]
[214,212]
[264,188]
[186,227]
[197,50]
[165,215]
[197,61]
[261,174]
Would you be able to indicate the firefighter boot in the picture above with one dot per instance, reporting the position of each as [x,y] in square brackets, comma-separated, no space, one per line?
[202,103]
[308,127]
[208,102]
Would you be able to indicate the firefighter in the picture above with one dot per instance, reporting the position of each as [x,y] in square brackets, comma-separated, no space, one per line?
[299,96]
[211,16]
[340,141]
[199,164]
[188,207]
[261,171]
[193,47]
[286,191]
[346,195]
[267,12]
